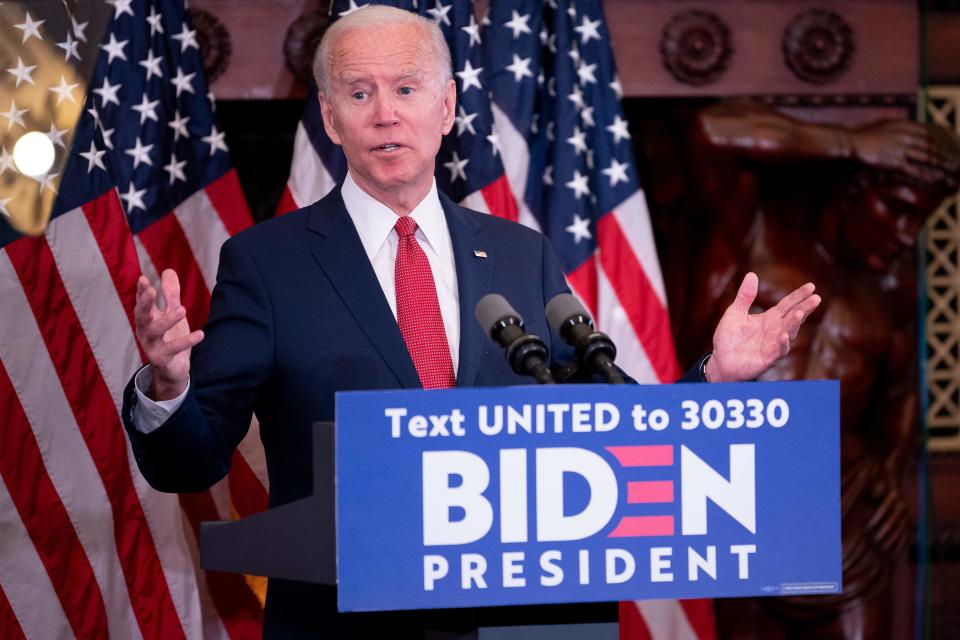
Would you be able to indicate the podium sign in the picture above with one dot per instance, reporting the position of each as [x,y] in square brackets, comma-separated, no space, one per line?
[552,494]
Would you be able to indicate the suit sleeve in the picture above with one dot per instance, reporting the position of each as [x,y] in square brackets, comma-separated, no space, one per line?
[192,450]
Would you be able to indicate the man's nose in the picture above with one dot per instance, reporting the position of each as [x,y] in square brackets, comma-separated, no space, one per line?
[386,113]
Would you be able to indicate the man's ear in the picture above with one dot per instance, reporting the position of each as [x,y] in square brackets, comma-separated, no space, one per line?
[329,122]
[449,105]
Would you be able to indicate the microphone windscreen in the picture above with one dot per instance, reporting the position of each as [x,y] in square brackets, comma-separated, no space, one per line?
[561,307]
[492,308]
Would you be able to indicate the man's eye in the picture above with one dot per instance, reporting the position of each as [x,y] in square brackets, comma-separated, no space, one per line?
[406,91]
[359,95]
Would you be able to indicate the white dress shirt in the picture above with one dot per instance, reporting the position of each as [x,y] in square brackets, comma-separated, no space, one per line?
[374,222]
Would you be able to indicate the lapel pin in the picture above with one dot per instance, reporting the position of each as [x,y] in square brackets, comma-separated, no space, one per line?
[480,254]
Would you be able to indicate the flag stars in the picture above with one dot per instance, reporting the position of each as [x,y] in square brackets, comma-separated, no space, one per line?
[121,7]
[518,24]
[79,28]
[579,185]
[140,153]
[30,28]
[578,141]
[188,39]
[576,97]
[3,206]
[494,141]
[588,30]
[580,229]
[175,169]
[350,9]
[470,77]
[617,172]
[6,161]
[155,22]
[108,92]
[107,135]
[472,30]
[616,87]
[182,81]
[464,121]
[114,48]
[215,140]
[586,114]
[46,181]
[585,72]
[619,129]
[439,13]
[14,116]
[69,47]
[179,126]
[456,167]
[152,65]
[548,175]
[22,72]
[147,109]
[56,135]
[133,198]
[520,68]
[94,158]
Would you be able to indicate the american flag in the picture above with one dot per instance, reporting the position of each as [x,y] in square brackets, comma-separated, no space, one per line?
[540,138]
[142,182]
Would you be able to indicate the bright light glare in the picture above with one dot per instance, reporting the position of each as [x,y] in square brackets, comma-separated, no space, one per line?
[33,154]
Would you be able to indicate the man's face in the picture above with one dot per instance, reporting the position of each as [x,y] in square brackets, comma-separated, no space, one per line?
[388,108]
[886,221]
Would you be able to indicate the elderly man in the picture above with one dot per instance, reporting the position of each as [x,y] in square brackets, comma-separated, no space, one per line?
[372,287]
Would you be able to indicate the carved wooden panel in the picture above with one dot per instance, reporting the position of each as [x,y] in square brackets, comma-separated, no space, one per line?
[943,296]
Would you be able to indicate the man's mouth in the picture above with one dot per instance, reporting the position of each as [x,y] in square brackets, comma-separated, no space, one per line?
[388,147]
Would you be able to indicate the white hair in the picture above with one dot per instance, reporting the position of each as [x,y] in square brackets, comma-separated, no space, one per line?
[374,15]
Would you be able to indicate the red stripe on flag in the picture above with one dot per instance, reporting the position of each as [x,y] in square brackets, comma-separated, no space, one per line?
[246,491]
[639,300]
[48,524]
[583,281]
[499,199]
[632,626]
[238,608]
[700,616]
[110,229]
[287,203]
[100,427]
[9,625]
[167,245]
[227,198]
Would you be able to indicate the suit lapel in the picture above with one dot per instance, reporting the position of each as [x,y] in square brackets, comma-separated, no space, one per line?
[473,282]
[338,250]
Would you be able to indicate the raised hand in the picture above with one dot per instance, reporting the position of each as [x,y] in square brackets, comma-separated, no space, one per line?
[744,344]
[165,335]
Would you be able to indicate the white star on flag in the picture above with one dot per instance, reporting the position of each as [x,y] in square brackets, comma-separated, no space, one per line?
[108,93]
[182,81]
[578,140]
[94,158]
[30,28]
[617,172]
[350,9]
[518,24]
[456,166]
[472,30]
[470,77]
[619,129]
[106,134]
[617,87]
[64,91]
[187,38]
[133,198]
[14,116]
[46,181]
[121,7]
[175,169]
[520,68]
[548,175]
[56,135]
[3,205]
[114,48]
[140,153]
[580,228]
[215,140]
[6,161]
[154,19]
[69,47]
[464,122]
[22,72]
[579,184]
[146,109]
[152,65]
[585,72]
[494,140]
[439,13]
[587,114]
[179,126]
[576,97]
[588,29]
[78,29]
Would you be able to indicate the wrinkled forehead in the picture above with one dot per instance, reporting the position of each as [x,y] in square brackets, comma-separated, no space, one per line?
[387,51]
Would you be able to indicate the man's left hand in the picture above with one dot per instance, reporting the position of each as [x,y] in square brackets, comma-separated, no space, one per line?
[744,344]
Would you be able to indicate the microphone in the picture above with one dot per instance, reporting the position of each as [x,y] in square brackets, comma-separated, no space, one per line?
[526,353]
[592,349]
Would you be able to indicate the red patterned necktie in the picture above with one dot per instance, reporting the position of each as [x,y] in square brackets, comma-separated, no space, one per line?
[418,310]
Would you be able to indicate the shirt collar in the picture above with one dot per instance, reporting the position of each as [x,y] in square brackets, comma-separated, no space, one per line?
[375,221]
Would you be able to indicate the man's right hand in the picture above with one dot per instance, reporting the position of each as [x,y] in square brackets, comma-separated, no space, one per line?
[164,335]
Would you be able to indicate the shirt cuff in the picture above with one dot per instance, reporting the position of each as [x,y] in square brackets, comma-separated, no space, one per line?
[149,415]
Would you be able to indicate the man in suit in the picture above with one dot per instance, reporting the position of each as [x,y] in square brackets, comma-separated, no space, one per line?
[372,287]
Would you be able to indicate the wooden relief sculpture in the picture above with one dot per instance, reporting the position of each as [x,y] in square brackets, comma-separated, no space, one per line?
[798,202]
